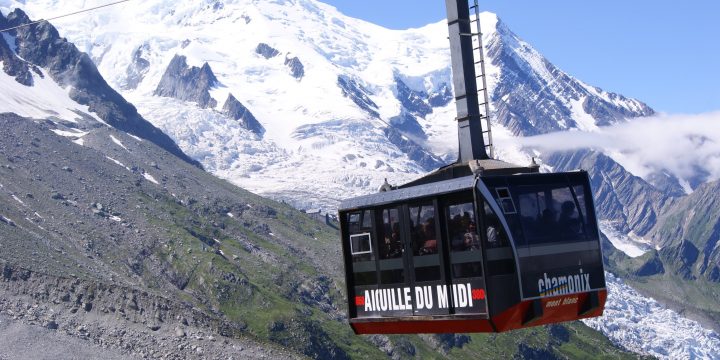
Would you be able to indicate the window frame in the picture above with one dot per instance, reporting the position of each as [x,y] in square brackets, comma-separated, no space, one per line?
[369,236]
[454,254]
[501,200]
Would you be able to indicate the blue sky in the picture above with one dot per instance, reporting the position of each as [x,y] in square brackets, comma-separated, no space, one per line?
[663,52]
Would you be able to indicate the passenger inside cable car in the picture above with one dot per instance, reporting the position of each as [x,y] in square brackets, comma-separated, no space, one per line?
[493,249]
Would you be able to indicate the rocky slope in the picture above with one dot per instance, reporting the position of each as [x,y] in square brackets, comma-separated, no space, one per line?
[685,271]
[124,245]
[689,233]
[96,240]
[15,337]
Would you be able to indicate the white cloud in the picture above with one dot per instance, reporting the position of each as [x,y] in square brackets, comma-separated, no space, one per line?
[688,146]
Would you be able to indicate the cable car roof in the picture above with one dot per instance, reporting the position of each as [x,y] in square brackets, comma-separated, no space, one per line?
[451,178]
[436,188]
[491,167]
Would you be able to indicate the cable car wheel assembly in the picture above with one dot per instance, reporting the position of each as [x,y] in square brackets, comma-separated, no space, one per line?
[480,245]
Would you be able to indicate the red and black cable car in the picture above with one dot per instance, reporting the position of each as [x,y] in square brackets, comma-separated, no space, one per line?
[477,246]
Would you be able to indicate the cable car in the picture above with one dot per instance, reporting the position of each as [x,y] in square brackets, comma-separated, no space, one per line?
[480,245]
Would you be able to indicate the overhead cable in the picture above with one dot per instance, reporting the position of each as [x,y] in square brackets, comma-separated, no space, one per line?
[64,15]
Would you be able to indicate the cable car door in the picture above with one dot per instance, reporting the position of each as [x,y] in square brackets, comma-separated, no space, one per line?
[425,257]
[394,294]
[467,280]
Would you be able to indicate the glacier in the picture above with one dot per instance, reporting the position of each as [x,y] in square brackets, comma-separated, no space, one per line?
[641,325]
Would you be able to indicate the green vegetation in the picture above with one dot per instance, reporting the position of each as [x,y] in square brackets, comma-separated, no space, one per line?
[263,270]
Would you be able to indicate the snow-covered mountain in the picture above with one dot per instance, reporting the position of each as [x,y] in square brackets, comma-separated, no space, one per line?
[294,100]
[74,97]
[342,103]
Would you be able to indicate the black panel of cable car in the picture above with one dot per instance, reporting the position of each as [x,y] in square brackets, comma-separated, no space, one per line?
[554,230]
[361,247]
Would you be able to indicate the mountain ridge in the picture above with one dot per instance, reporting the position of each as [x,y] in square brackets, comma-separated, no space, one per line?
[320,137]
[40,45]
[390,88]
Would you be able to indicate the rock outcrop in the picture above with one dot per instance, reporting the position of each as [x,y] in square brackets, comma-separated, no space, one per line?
[415,102]
[137,68]
[297,69]
[237,111]
[188,83]
[358,94]
[266,51]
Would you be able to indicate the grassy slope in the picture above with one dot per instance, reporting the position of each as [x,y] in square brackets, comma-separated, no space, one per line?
[269,271]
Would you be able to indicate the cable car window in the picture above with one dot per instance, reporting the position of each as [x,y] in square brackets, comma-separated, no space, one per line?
[422,224]
[580,196]
[537,217]
[462,228]
[505,200]
[360,244]
[367,220]
[549,214]
[391,247]
[464,241]
[569,224]
[354,219]
[579,192]
[360,228]
[424,242]
[496,236]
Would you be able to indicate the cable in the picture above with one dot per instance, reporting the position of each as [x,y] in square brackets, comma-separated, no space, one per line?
[62,16]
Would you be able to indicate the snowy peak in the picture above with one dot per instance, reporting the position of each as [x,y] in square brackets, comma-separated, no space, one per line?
[532,96]
[53,80]
[332,93]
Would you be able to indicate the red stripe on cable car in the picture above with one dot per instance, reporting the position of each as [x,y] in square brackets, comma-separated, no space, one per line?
[510,319]
[422,327]
[555,309]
